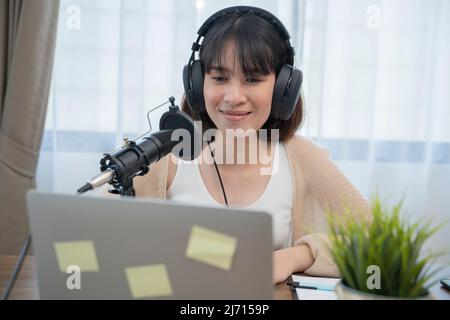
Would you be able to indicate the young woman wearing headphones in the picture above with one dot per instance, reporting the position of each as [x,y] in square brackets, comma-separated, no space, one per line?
[244,79]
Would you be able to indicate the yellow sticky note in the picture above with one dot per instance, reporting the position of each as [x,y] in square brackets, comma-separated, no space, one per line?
[79,253]
[211,247]
[149,281]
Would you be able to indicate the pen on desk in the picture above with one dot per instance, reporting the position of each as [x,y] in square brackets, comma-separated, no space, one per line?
[311,285]
[317,287]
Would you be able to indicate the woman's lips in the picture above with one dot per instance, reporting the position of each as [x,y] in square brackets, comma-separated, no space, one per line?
[235,115]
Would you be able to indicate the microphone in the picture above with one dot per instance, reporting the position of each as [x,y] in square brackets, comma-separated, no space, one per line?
[119,168]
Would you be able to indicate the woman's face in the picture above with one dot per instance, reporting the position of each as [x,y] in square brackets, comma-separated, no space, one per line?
[235,100]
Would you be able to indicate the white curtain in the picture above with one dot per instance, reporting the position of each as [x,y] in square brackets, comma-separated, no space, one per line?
[376,82]
[377,77]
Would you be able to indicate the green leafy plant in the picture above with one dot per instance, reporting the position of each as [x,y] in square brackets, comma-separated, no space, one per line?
[385,241]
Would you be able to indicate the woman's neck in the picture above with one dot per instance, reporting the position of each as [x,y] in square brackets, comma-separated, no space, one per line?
[240,153]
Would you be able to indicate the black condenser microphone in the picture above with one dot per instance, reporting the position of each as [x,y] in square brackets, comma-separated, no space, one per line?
[119,168]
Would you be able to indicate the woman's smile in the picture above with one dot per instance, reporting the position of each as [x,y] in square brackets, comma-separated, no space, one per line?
[235,115]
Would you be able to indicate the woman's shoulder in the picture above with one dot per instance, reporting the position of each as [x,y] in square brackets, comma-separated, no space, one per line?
[171,170]
[154,182]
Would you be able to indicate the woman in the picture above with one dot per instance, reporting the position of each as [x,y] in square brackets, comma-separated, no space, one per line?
[244,81]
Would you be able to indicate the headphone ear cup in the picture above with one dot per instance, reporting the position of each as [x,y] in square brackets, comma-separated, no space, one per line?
[279,90]
[286,92]
[197,84]
[293,92]
[188,89]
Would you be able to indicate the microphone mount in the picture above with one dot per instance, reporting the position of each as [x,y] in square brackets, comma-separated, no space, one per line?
[134,157]
[122,179]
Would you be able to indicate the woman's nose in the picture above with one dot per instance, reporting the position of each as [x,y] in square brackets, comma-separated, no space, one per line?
[235,93]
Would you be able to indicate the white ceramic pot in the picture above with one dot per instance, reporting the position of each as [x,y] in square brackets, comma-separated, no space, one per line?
[346,293]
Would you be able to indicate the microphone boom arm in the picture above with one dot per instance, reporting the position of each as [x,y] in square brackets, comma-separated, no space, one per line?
[134,158]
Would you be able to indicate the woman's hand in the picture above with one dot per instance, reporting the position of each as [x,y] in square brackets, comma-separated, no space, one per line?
[283,265]
[290,260]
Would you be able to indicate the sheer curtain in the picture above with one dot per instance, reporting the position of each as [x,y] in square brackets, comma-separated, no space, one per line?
[376,83]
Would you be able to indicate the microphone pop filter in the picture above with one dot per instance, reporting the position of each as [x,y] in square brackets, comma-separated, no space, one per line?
[189,134]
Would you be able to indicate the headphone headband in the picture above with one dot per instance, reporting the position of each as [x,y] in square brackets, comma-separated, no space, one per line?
[240,10]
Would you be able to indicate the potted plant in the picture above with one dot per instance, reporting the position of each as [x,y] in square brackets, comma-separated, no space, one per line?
[381,258]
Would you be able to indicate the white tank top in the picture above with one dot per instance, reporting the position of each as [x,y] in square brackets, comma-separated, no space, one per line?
[276,200]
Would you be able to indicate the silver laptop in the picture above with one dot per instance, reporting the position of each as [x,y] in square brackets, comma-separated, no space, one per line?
[90,247]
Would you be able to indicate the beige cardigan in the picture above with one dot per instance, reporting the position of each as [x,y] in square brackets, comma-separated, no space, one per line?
[317,183]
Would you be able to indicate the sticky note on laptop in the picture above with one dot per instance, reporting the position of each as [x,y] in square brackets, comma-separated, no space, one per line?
[79,253]
[148,281]
[211,247]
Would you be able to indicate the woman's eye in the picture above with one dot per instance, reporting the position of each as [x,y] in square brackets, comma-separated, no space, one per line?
[253,80]
[219,79]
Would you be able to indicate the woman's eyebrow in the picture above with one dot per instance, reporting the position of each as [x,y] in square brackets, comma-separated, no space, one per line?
[219,69]
[225,70]
[256,73]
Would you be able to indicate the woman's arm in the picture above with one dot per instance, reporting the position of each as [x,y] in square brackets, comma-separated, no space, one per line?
[290,260]
[326,188]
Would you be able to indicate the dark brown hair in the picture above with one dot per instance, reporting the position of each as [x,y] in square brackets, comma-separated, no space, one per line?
[259,49]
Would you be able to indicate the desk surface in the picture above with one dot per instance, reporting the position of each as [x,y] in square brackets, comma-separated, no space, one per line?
[26,284]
